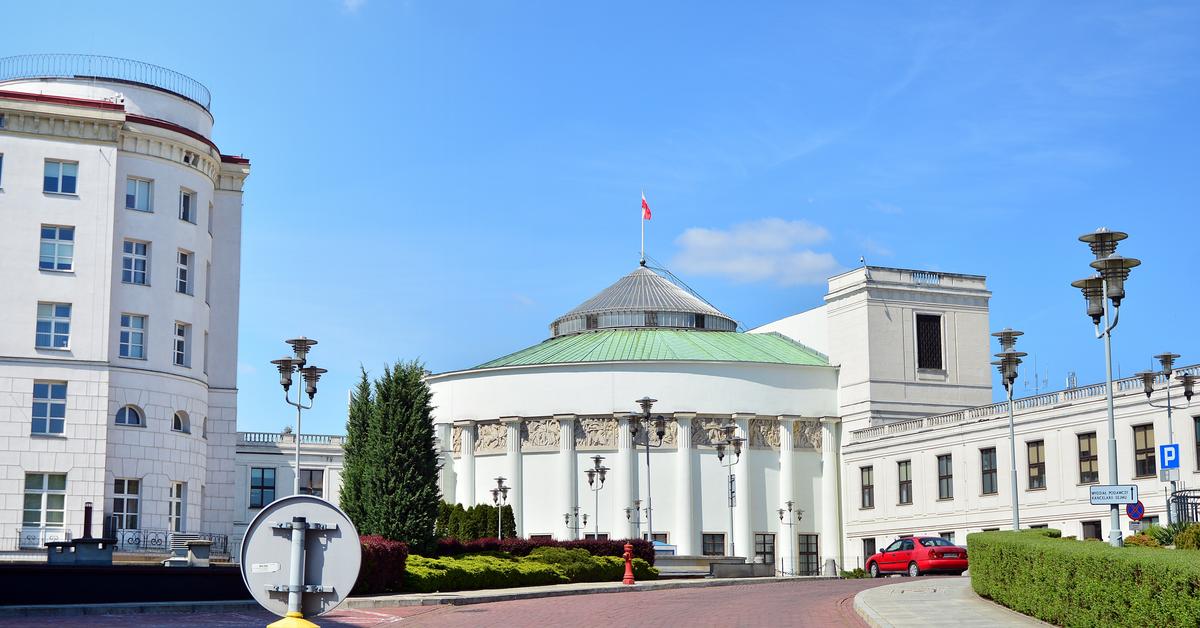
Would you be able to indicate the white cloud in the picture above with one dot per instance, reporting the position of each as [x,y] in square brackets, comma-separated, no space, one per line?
[245,368]
[353,5]
[772,249]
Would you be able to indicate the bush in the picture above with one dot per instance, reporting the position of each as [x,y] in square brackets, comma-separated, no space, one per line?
[522,547]
[1165,535]
[856,573]
[383,566]
[1072,583]
[549,565]
[1189,538]
[1142,540]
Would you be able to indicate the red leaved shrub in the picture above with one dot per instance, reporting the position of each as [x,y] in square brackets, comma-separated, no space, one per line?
[382,569]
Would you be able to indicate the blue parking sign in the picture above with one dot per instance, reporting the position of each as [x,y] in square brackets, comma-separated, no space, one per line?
[1169,456]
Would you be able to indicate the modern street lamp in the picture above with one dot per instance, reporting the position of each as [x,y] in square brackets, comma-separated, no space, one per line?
[1104,293]
[785,518]
[636,424]
[296,363]
[500,498]
[597,472]
[574,514]
[633,514]
[1167,360]
[1010,358]
[735,443]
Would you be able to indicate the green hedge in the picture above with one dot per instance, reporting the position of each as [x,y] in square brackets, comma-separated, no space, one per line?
[498,570]
[1079,583]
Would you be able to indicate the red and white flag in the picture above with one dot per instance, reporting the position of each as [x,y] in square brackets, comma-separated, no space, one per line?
[645,208]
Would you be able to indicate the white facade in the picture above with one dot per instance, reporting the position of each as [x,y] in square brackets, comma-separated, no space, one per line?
[169,461]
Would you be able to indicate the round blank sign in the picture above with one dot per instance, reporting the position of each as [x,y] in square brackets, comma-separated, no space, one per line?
[331,555]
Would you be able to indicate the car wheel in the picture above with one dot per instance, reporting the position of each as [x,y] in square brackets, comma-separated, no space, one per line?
[914,570]
[874,569]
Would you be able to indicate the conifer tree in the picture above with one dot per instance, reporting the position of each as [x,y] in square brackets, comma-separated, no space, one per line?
[354,453]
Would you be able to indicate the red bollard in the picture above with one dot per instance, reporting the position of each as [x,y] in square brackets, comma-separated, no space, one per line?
[628,555]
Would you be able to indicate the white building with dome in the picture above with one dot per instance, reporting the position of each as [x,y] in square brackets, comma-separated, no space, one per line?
[120,263]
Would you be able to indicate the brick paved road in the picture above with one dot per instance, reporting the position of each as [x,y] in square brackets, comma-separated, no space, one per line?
[808,603]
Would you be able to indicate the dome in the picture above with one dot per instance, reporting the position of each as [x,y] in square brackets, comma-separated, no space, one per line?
[643,298]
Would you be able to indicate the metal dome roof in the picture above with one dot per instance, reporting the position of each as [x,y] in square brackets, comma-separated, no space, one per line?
[643,298]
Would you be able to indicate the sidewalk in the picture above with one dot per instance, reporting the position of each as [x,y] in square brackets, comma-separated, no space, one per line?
[934,602]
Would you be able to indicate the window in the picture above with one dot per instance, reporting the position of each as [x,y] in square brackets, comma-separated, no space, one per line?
[660,537]
[905,468]
[49,407]
[868,548]
[182,353]
[312,482]
[125,503]
[541,537]
[868,486]
[1040,526]
[45,500]
[177,507]
[206,353]
[1089,470]
[262,487]
[1,155]
[129,415]
[58,248]
[1036,452]
[603,536]
[187,206]
[1150,521]
[210,218]
[59,177]
[183,272]
[139,194]
[207,280]
[1143,450]
[180,423]
[945,477]
[133,337]
[810,562]
[990,530]
[929,341]
[764,547]
[53,326]
[948,536]
[712,544]
[135,262]
[987,465]
[1091,530]
[1196,431]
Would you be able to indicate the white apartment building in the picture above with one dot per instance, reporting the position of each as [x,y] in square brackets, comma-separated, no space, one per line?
[119,274]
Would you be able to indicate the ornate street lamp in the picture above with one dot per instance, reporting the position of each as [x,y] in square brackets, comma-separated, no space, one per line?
[785,518]
[734,443]
[574,514]
[643,423]
[1009,360]
[287,366]
[633,514]
[1167,360]
[1104,293]
[500,499]
[597,472]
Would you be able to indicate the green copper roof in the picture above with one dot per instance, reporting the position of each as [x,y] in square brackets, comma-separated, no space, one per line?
[618,345]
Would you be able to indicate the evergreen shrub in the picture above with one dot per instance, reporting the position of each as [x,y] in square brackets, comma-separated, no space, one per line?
[500,570]
[1189,538]
[522,547]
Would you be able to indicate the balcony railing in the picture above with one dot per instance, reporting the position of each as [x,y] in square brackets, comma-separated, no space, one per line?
[159,541]
[98,67]
[274,438]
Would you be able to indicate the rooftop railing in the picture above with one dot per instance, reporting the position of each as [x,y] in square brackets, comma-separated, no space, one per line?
[993,410]
[271,438]
[98,67]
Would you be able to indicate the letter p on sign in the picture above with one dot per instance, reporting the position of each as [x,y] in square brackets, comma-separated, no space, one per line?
[1169,455]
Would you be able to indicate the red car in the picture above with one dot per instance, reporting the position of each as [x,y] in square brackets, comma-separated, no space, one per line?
[916,555]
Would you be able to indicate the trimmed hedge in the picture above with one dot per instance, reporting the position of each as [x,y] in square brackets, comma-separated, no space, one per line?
[1075,583]
[522,547]
[500,570]
[383,566]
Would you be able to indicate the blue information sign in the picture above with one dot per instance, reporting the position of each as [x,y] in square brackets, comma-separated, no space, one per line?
[1169,455]
[1135,510]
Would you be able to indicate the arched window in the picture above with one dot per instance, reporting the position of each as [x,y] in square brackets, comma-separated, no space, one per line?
[180,422]
[130,415]
[204,427]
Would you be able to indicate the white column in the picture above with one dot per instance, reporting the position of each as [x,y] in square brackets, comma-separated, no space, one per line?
[743,534]
[787,491]
[465,489]
[446,478]
[626,478]
[686,535]
[831,537]
[512,460]
[568,469]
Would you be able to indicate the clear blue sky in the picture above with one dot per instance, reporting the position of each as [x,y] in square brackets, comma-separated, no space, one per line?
[440,179]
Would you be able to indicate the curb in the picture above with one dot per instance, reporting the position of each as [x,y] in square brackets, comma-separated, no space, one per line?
[868,614]
[126,608]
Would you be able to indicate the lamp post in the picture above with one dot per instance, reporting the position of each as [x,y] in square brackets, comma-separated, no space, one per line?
[1104,292]
[633,514]
[574,514]
[1010,358]
[636,424]
[298,363]
[597,472]
[785,518]
[735,443]
[1167,360]
[500,498]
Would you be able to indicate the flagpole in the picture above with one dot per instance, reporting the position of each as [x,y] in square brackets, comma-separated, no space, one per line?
[642,219]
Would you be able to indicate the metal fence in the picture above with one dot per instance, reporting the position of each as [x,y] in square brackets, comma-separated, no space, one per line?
[159,541]
[99,67]
[1186,505]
